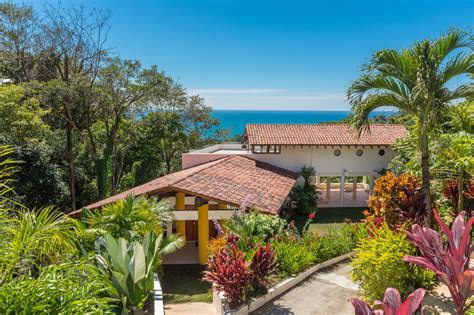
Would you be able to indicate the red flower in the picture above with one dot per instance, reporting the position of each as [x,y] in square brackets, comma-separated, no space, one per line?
[312,215]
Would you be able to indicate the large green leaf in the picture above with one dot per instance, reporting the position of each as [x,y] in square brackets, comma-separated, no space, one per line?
[137,264]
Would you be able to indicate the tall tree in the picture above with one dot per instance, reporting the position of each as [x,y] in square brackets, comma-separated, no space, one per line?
[75,39]
[416,81]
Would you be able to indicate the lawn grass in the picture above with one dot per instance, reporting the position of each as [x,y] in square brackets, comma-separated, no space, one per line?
[329,218]
[182,284]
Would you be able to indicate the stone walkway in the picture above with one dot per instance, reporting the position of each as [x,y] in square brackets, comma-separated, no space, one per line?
[326,292]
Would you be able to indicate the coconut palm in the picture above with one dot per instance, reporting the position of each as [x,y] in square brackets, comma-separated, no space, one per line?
[417,81]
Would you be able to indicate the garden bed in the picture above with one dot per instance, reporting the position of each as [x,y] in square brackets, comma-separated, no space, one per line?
[275,291]
[183,284]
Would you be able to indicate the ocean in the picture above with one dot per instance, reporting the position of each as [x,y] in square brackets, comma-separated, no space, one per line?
[235,120]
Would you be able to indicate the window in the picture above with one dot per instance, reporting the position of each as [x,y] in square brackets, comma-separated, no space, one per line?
[381,152]
[337,152]
[266,149]
[359,152]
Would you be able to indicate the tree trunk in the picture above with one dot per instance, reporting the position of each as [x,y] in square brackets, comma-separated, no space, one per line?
[72,175]
[425,175]
[461,193]
[101,171]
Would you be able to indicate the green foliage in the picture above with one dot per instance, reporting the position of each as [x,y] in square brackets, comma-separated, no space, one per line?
[292,256]
[129,218]
[102,124]
[69,288]
[255,226]
[130,267]
[378,265]
[416,81]
[305,196]
[296,253]
[31,239]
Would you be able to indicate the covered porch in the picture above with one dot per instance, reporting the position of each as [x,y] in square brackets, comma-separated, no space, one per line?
[346,189]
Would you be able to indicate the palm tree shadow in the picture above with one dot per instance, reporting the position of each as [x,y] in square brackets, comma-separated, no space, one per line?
[273,309]
[438,303]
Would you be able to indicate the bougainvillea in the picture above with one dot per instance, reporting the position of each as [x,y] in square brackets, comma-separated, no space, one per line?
[388,192]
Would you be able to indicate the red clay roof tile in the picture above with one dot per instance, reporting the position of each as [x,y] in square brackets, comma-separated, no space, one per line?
[321,134]
[234,180]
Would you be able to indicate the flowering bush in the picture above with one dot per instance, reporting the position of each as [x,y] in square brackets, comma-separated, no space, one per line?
[387,197]
[217,244]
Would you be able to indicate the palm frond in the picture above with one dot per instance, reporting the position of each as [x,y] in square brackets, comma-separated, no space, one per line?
[171,244]
[454,39]
[36,238]
[460,64]
[370,103]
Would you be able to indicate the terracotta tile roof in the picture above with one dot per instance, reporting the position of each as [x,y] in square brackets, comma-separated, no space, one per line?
[321,134]
[233,180]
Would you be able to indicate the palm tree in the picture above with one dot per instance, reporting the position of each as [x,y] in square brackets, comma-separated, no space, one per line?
[31,239]
[130,218]
[416,81]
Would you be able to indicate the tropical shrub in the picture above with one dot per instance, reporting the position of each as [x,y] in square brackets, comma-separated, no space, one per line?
[69,288]
[130,218]
[229,272]
[451,192]
[31,239]
[412,206]
[450,263]
[391,304]
[255,227]
[378,265]
[130,267]
[305,197]
[263,264]
[216,244]
[389,190]
[292,256]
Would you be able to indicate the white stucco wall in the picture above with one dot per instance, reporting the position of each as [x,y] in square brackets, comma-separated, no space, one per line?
[322,159]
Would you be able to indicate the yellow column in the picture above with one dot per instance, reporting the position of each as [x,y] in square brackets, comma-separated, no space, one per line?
[180,205]
[203,233]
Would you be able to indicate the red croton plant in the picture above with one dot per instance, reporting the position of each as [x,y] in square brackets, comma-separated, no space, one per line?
[230,273]
[449,262]
[391,304]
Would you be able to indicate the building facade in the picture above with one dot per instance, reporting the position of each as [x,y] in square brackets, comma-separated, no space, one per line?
[261,172]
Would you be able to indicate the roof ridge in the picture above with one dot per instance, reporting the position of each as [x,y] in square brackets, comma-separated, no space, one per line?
[205,165]
[265,163]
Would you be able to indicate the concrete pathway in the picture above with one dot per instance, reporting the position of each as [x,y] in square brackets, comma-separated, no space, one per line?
[326,292]
[195,308]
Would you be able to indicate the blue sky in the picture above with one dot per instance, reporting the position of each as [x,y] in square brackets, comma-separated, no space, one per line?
[271,54]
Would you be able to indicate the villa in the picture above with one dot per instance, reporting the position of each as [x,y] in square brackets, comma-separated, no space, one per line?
[261,172]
